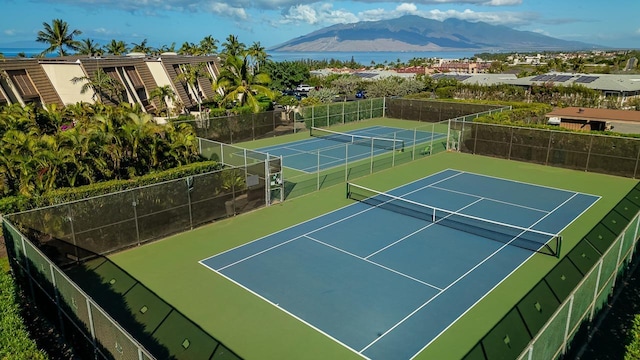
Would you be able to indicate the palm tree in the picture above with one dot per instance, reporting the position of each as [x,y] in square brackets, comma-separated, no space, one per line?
[191,75]
[89,47]
[58,36]
[233,47]
[259,55]
[239,84]
[142,47]
[188,48]
[162,93]
[165,48]
[101,84]
[116,47]
[208,45]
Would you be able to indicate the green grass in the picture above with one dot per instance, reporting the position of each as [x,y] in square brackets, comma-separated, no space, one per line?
[257,330]
[15,342]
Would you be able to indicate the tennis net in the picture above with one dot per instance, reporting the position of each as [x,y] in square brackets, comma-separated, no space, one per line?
[530,239]
[369,141]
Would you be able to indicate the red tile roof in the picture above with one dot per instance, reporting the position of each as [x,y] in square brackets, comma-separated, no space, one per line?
[595,114]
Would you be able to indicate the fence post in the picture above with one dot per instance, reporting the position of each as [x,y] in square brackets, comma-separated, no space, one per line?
[134,203]
[92,329]
[384,107]
[343,104]
[448,135]
[510,144]
[586,167]
[328,112]
[189,186]
[595,290]
[549,147]
[267,182]
[56,297]
[635,170]
[568,326]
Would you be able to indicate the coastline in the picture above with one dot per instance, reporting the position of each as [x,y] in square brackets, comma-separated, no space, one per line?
[362,57]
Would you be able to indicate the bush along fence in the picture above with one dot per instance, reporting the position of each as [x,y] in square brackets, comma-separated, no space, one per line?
[57,255]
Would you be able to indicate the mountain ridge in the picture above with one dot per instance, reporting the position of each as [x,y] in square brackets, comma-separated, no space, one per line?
[415,33]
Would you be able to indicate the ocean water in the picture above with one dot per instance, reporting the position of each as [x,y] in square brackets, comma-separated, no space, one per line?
[364,58]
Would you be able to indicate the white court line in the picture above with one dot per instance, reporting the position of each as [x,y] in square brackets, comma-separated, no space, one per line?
[491,199]
[259,253]
[320,228]
[524,183]
[495,286]
[374,263]
[453,283]
[452,213]
[290,314]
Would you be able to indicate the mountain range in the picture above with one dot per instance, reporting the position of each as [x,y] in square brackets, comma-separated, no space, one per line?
[415,33]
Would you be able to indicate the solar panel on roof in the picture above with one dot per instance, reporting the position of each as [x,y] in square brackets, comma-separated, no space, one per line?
[562,78]
[462,77]
[586,79]
[537,78]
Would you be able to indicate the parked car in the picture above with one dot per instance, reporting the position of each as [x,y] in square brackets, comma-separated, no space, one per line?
[361,94]
[304,87]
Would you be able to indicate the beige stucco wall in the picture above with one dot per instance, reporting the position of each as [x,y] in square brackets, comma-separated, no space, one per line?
[160,76]
[60,75]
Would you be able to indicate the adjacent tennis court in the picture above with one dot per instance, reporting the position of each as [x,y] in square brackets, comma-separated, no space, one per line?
[327,149]
[386,275]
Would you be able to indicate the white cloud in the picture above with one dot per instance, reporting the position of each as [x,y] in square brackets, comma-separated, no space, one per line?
[227,10]
[503,2]
[494,18]
[541,32]
[9,32]
[318,14]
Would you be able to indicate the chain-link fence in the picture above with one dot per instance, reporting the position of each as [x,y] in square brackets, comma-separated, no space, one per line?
[57,255]
[99,310]
[339,113]
[572,150]
[246,127]
[436,111]
[543,324]
[344,162]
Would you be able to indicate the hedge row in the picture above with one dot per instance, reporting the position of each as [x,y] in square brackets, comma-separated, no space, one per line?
[14,337]
[633,347]
[18,203]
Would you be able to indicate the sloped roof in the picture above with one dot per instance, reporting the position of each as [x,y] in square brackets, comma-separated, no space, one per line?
[593,114]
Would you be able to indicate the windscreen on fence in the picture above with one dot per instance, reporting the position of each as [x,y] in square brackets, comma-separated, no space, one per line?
[612,155]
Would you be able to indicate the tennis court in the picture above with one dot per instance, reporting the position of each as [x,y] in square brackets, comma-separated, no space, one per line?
[327,149]
[385,276]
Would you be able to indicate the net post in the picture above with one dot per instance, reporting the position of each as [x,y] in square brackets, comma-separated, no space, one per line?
[415,140]
[346,162]
[433,130]
[318,172]
[394,147]
[371,158]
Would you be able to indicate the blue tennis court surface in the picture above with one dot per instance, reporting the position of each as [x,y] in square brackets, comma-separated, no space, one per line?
[314,154]
[384,284]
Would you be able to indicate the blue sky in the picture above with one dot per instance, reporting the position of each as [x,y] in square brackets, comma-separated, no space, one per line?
[611,23]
